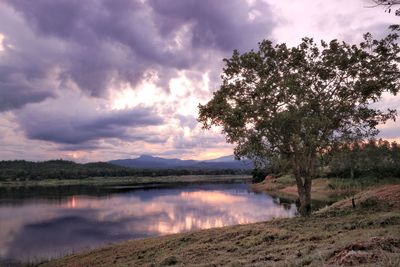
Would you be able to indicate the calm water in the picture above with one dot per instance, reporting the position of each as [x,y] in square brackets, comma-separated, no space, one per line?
[42,223]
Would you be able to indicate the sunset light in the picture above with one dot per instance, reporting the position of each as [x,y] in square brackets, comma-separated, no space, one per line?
[199,133]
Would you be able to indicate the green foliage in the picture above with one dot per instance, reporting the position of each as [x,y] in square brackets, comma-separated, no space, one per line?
[276,166]
[295,103]
[258,175]
[299,100]
[371,159]
[61,169]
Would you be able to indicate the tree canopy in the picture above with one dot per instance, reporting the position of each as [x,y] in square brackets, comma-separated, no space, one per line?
[378,159]
[297,102]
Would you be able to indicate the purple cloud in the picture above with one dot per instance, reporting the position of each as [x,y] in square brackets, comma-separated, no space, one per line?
[76,128]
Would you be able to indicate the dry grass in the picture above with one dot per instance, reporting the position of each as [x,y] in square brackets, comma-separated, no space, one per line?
[373,251]
[338,236]
[323,189]
[385,197]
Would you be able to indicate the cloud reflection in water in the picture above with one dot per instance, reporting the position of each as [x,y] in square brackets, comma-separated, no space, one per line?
[46,229]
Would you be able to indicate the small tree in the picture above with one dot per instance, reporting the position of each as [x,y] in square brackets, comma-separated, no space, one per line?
[297,102]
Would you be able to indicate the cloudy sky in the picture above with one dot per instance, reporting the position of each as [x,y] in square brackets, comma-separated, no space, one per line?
[105,79]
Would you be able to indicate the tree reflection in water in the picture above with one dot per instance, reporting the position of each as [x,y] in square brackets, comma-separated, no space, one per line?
[40,228]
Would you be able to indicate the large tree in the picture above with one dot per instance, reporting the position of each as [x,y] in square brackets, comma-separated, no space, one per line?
[297,102]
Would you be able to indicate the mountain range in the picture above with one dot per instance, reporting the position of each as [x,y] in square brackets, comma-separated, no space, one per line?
[150,162]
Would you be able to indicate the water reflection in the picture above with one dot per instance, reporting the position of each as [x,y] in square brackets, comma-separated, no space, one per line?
[40,228]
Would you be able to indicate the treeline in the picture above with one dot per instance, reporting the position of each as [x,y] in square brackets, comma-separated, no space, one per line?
[373,158]
[62,169]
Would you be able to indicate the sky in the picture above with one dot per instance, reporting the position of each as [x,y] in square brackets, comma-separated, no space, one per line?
[97,80]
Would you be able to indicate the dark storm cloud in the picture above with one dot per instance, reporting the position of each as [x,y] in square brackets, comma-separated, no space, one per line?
[225,25]
[51,48]
[105,42]
[77,129]
[13,96]
[24,75]
[108,42]
[148,137]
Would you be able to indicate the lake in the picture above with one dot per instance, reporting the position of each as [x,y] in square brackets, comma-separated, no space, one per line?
[41,223]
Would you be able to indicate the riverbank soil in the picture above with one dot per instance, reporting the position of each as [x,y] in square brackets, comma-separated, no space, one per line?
[339,235]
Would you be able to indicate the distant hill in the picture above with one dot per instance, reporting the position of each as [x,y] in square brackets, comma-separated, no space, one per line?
[230,158]
[146,161]
[142,166]
[150,162]
[21,169]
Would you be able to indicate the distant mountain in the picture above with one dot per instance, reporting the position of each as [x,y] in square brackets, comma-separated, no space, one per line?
[150,162]
[229,158]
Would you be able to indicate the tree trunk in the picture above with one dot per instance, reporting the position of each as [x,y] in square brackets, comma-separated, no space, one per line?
[303,173]
[304,190]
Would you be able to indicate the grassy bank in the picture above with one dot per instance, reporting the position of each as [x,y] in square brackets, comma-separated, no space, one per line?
[323,189]
[130,181]
[340,235]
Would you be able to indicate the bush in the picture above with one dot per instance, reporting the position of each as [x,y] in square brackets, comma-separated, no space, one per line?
[258,175]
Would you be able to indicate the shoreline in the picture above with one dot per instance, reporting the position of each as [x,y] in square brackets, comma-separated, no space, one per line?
[141,182]
[335,235]
[318,240]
